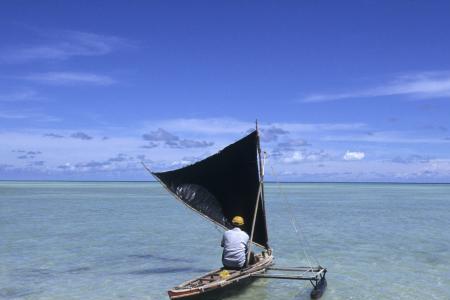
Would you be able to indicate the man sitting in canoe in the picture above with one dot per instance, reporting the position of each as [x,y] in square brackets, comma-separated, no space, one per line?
[234,243]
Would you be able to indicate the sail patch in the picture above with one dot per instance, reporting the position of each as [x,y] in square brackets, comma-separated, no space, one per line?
[203,201]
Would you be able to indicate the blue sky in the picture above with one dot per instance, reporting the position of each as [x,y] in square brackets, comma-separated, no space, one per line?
[343,90]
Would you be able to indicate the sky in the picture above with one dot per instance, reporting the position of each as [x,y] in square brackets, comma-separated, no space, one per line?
[342,90]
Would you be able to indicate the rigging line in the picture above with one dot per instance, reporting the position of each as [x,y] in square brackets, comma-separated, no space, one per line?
[300,235]
[293,223]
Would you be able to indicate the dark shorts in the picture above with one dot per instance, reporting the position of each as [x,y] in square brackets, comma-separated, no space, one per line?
[252,261]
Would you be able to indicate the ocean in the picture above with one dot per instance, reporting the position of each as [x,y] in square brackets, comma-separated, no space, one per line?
[132,240]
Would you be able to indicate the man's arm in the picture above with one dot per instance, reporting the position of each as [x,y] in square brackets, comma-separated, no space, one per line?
[246,242]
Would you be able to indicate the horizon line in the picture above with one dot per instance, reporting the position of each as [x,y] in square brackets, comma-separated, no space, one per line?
[155,181]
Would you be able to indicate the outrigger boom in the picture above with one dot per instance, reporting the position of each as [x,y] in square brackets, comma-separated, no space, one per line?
[315,275]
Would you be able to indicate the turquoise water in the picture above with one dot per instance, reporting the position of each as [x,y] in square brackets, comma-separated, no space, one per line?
[117,240]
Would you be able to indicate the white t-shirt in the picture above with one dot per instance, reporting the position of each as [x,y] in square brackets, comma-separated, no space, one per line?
[234,243]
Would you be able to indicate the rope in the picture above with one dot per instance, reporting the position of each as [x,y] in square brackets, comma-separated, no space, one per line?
[299,234]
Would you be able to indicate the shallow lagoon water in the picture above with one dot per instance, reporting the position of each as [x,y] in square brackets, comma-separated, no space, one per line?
[131,240]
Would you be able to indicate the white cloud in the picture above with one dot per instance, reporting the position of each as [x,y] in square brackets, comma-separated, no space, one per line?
[349,155]
[63,44]
[295,157]
[304,156]
[272,134]
[27,115]
[70,78]
[20,96]
[171,140]
[419,85]
[12,115]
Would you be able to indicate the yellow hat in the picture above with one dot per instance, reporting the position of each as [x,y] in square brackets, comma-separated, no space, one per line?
[238,220]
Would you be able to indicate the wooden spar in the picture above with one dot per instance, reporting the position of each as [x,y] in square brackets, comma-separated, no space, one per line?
[280,276]
[263,204]
[258,197]
[261,175]
[296,269]
[307,273]
[262,162]
[253,226]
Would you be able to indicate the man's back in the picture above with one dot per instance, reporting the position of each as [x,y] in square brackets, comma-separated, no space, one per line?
[234,243]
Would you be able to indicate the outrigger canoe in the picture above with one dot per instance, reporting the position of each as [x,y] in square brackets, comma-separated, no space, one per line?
[227,184]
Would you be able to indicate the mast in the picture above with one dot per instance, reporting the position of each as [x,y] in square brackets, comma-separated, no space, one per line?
[260,195]
[261,161]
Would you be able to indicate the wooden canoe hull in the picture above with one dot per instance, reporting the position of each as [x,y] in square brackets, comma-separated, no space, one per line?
[224,292]
[213,281]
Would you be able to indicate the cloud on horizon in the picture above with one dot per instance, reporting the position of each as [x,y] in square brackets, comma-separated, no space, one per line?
[53,135]
[38,163]
[354,155]
[81,136]
[295,157]
[171,140]
[292,152]
[24,154]
[271,134]
[112,163]
[411,159]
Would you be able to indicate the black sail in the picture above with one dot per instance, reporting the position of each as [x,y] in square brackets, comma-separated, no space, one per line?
[222,186]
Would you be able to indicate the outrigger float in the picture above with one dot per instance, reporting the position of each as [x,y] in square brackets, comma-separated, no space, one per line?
[224,185]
